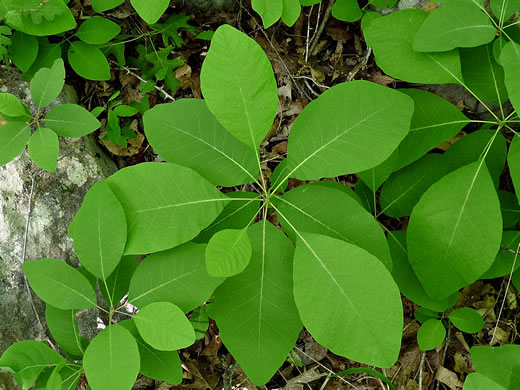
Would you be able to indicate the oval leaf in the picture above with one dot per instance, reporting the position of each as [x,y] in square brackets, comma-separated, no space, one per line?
[228,252]
[64,329]
[13,138]
[269,10]
[44,148]
[23,50]
[10,105]
[467,320]
[513,161]
[47,84]
[150,10]
[291,11]
[117,284]
[97,30]
[510,60]
[431,334]
[88,61]
[71,120]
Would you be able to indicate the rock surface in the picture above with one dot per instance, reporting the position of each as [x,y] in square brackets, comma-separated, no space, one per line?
[55,199]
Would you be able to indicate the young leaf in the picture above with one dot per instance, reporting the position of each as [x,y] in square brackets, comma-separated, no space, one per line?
[71,120]
[152,218]
[178,276]
[13,137]
[350,117]
[11,106]
[228,252]
[454,231]
[347,10]
[244,105]
[160,365]
[499,364]
[503,264]
[314,208]
[105,5]
[513,161]
[23,50]
[47,84]
[510,60]
[200,322]
[269,10]
[291,11]
[88,61]
[44,148]
[458,23]
[111,360]
[250,319]
[467,320]
[118,282]
[27,359]
[59,285]
[150,10]
[164,326]
[431,334]
[64,329]
[391,38]
[97,30]
[331,274]
[173,134]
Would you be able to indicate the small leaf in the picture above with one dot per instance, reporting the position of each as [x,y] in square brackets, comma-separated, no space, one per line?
[111,360]
[513,161]
[13,138]
[164,326]
[64,329]
[269,10]
[44,148]
[200,322]
[118,282]
[124,110]
[47,84]
[71,120]
[347,10]
[509,207]
[467,320]
[291,12]
[150,10]
[23,50]
[88,61]
[59,285]
[431,334]
[97,30]
[105,5]
[423,314]
[228,252]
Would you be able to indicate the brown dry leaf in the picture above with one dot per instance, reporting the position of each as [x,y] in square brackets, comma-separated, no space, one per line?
[463,364]
[202,379]
[134,144]
[501,336]
[306,376]
[381,79]
[183,74]
[338,32]
[448,377]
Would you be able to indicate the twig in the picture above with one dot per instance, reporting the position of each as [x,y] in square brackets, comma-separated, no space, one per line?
[321,26]
[360,66]
[227,376]
[509,250]
[307,40]
[421,366]
[444,352]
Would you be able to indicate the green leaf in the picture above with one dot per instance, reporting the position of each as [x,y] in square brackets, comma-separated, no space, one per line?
[404,188]
[422,314]
[10,105]
[175,136]
[406,278]
[510,60]
[59,285]
[27,359]
[513,161]
[64,329]
[118,282]
[509,207]
[13,137]
[431,334]
[347,10]
[239,87]
[503,264]
[178,276]
[97,30]
[47,54]
[366,196]
[309,2]
[164,326]
[200,322]
[291,11]
[47,84]
[269,10]
[366,370]
[458,23]
[228,252]
[504,9]
[391,38]
[376,176]
[105,5]
[71,120]
[152,218]
[251,307]
[333,290]
[150,10]
[499,364]
[44,148]
[88,61]
[476,381]
[467,320]
[454,231]
[100,231]
[111,360]
[160,365]
[482,74]
[55,380]
[125,111]
[23,50]
[169,30]
[314,208]
[349,116]
[383,3]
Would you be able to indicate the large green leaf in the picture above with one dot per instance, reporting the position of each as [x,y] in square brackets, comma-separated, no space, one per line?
[499,364]
[431,334]
[23,50]
[150,10]
[406,279]
[71,120]
[269,10]
[434,121]
[164,326]
[178,275]
[513,161]
[392,36]
[239,87]
[455,230]
[111,360]
[359,124]
[44,148]
[255,310]
[158,198]
[477,381]
[314,208]
[334,290]
[47,84]
[59,285]
[64,329]
[88,61]
[118,283]
[510,60]
[13,137]
[458,23]
[503,264]
[178,138]
[482,74]
[97,30]
[100,231]
[376,176]
[228,252]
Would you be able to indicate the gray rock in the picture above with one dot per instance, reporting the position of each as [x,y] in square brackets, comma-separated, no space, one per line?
[55,199]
